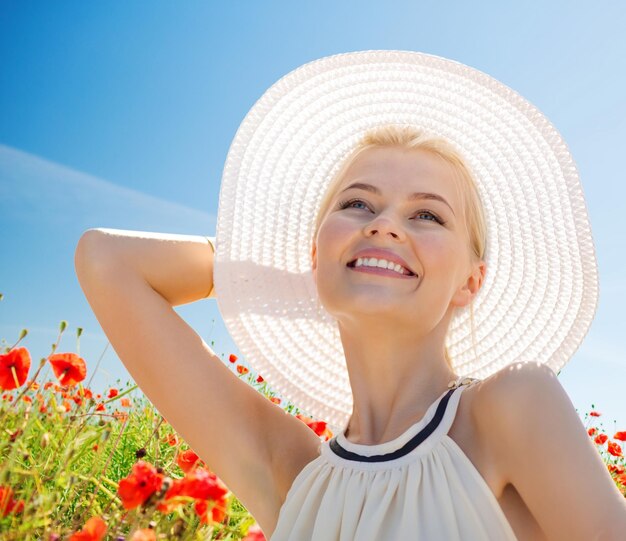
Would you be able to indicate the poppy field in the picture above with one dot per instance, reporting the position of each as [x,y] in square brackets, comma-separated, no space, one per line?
[81,466]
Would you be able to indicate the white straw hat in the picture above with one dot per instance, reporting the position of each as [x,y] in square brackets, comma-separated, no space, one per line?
[540,291]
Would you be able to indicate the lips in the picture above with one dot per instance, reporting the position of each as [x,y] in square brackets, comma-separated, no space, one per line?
[381,253]
[352,264]
[381,271]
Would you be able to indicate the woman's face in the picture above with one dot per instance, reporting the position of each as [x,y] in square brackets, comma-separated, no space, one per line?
[428,234]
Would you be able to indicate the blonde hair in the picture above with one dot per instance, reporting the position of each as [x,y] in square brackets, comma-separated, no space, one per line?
[409,138]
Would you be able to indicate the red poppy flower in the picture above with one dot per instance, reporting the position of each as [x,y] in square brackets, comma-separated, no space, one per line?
[600,439]
[94,530]
[275,399]
[620,436]
[125,402]
[203,484]
[100,407]
[120,415]
[86,393]
[614,449]
[8,504]
[232,358]
[187,460]
[205,487]
[242,369]
[595,414]
[260,379]
[217,513]
[112,393]
[136,488]
[171,439]
[171,498]
[319,427]
[17,359]
[254,533]
[69,368]
[591,431]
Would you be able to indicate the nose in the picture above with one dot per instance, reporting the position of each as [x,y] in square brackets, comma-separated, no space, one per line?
[384,226]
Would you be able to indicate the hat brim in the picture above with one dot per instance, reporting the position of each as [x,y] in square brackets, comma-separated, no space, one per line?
[541,288]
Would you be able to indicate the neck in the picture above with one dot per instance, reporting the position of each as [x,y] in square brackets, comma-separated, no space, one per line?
[394,380]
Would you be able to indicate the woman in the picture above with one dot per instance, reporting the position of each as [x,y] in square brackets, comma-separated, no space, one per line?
[334,152]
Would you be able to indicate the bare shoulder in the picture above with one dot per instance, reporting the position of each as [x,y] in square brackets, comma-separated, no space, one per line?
[514,376]
[496,394]
[491,400]
[498,401]
[545,453]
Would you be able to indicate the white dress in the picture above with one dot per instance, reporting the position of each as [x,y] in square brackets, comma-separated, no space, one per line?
[420,486]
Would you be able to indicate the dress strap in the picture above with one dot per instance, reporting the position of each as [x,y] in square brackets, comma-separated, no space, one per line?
[449,414]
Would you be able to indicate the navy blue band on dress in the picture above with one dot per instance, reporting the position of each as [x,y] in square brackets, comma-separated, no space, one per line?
[406,448]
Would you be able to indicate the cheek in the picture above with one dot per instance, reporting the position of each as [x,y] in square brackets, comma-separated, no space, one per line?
[333,232]
[338,221]
[431,244]
[437,253]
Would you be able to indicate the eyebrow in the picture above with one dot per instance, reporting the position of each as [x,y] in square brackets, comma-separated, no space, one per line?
[410,197]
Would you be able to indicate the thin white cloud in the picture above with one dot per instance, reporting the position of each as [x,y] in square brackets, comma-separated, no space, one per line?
[33,189]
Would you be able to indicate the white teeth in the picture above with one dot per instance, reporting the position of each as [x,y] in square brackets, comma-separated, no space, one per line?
[381,263]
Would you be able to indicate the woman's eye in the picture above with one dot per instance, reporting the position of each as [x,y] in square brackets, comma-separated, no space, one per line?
[350,204]
[427,213]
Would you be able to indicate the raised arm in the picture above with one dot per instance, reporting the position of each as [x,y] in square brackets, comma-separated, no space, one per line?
[132,280]
[178,267]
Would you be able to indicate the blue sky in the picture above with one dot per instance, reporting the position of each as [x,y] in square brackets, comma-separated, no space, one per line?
[121,114]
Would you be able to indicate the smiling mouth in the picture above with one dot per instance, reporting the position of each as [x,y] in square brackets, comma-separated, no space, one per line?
[380,271]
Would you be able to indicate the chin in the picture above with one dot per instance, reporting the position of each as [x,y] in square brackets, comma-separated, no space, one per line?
[365,304]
